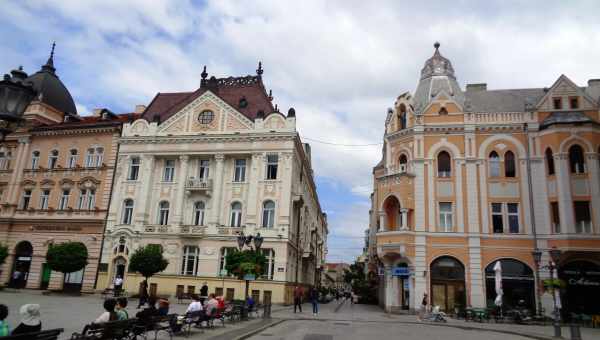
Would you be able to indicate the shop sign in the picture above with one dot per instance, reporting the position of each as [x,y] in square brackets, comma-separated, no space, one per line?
[280,269]
[582,282]
[400,271]
[578,277]
[24,258]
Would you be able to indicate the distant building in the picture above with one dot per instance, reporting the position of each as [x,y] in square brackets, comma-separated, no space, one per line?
[333,275]
[466,176]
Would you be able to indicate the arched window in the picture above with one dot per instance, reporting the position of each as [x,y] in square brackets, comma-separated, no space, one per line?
[72,160]
[89,158]
[35,159]
[494,161]
[163,213]
[443,111]
[99,156]
[199,213]
[510,169]
[236,214]
[576,159]
[268,216]
[402,117]
[53,159]
[517,282]
[127,211]
[403,163]
[550,161]
[444,167]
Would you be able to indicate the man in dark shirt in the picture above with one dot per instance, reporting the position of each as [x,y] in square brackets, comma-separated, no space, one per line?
[203,293]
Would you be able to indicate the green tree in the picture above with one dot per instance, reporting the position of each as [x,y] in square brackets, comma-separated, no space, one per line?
[3,253]
[240,263]
[67,257]
[363,286]
[148,260]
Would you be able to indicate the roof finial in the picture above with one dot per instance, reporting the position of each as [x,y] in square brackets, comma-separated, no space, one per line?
[52,51]
[50,63]
[270,95]
[204,74]
[259,70]
[436,45]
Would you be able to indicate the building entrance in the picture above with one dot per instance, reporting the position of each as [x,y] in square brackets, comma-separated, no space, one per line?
[20,272]
[448,284]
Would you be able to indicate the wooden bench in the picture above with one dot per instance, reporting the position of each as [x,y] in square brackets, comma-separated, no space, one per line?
[121,329]
[51,334]
[161,324]
[190,319]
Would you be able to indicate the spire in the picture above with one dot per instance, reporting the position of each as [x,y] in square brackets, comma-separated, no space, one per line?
[437,46]
[50,63]
[270,95]
[204,74]
[259,70]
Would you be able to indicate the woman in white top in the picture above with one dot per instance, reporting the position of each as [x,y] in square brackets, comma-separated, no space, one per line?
[195,305]
[109,314]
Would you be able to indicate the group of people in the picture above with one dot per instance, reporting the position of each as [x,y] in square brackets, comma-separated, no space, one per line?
[30,320]
[313,296]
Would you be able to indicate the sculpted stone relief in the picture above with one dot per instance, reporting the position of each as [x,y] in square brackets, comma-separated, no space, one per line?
[274,121]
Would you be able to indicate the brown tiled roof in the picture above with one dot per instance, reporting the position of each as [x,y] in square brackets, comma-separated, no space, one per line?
[89,122]
[230,90]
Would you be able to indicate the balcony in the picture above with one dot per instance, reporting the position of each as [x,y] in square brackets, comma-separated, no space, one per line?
[198,184]
[223,230]
[192,231]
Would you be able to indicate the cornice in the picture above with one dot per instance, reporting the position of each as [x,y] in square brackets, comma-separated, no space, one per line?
[288,136]
[76,131]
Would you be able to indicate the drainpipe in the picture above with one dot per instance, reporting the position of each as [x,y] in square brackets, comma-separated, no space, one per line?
[533,227]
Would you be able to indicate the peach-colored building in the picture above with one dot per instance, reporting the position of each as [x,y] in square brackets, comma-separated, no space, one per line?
[55,180]
[471,177]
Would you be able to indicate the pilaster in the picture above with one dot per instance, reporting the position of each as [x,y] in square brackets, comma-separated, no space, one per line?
[143,205]
[181,179]
[472,197]
[565,200]
[218,191]
[477,279]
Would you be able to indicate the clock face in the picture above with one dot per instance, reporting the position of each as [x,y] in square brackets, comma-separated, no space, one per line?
[206,117]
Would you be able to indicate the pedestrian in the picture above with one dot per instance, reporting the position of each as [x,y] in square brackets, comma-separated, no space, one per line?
[121,309]
[163,307]
[118,285]
[298,295]
[16,279]
[203,292]
[423,308]
[143,294]
[109,314]
[314,300]
[4,329]
[30,319]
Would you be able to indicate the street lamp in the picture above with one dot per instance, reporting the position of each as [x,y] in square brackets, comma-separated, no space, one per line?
[553,265]
[15,96]
[537,259]
[244,240]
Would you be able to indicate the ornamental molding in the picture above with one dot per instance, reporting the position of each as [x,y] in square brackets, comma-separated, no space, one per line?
[75,131]
[206,139]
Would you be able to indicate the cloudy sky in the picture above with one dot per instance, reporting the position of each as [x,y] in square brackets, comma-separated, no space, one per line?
[340,64]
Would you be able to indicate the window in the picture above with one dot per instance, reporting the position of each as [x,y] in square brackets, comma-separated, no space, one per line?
[550,161]
[169,172]
[272,161]
[64,199]
[199,213]
[513,217]
[189,263]
[494,161]
[497,223]
[98,157]
[203,168]
[223,260]
[127,211]
[72,160]
[268,215]
[236,214]
[26,199]
[403,163]
[35,159]
[206,117]
[240,170]
[574,102]
[510,168]
[583,219]
[446,216]
[81,201]
[269,268]
[443,111]
[557,103]
[576,159]
[444,168]
[555,217]
[44,199]
[89,158]
[91,199]
[3,161]
[134,169]
[163,213]
[53,159]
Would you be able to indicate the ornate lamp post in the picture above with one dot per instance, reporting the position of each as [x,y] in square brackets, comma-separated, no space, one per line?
[537,258]
[15,95]
[555,257]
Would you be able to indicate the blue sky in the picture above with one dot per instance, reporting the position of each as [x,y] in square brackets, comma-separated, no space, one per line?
[340,64]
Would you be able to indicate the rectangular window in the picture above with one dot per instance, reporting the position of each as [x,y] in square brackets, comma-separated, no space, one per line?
[35,159]
[574,102]
[53,160]
[72,161]
[269,267]
[445,216]
[555,217]
[513,217]
[91,199]
[557,103]
[223,261]
[99,157]
[134,169]
[230,294]
[583,218]
[169,173]
[240,170]
[64,199]
[189,263]
[497,224]
[89,158]
[26,199]
[44,199]
[272,161]
[81,200]
[203,167]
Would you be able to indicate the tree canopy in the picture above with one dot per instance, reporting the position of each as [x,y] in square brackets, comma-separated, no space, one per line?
[148,260]
[3,253]
[67,257]
[362,285]
[240,263]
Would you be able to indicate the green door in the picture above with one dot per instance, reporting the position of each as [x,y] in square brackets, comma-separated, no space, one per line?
[45,276]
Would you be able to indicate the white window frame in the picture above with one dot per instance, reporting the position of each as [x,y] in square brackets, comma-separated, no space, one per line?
[53,159]
[269,253]
[501,214]
[494,165]
[35,159]
[583,227]
[163,213]
[134,163]
[512,214]
[26,199]
[239,170]
[236,215]
[91,199]
[223,258]
[203,169]
[72,159]
[190,254]
[127,216]
[198,217]
[44,198]
[82,198]
[169,170]
[272,167]
[268,215]
[3,161]
[99,156]
[445,217]
[64,199]
[89,158]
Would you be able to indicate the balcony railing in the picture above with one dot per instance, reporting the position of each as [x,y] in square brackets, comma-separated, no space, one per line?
[192,230]
[198,184]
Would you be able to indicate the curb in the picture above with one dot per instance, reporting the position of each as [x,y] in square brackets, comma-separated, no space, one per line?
[258,330]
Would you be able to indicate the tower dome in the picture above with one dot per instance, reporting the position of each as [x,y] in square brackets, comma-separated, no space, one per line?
[437,65]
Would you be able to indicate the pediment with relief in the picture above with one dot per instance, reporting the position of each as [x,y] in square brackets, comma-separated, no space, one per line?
[565,88]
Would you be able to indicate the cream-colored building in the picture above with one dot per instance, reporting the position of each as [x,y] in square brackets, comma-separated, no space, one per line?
[476,176]
[199,168]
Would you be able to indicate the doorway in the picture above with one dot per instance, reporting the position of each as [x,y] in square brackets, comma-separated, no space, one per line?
[22,264]
[448,284]
[73,281]
[46,272]
[119,268]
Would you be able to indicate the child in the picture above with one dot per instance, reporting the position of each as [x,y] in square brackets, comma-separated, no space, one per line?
[4,330]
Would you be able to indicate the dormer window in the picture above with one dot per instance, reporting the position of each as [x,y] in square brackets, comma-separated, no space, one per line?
[574,103]
[443,111]
[557,103]
[243,102]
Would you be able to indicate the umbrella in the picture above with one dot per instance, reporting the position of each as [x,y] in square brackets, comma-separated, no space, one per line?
[498,282]
[556,290]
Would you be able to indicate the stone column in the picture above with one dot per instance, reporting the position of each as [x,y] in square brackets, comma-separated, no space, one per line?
[181,180]
[475,272]
[143,205]
[419,195]
[253,179]
[404,218]
[421,269]
[460,220]
[389,287]
[472,196]
[16,177]
[382,226]
[217,190]
[565,200]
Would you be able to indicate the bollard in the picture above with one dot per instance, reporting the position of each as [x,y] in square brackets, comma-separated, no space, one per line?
[575,331]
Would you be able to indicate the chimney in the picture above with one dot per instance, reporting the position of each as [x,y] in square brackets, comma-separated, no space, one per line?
[476,87]
[140,108]
[594,83]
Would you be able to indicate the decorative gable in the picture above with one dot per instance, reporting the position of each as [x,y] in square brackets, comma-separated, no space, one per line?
[565,89]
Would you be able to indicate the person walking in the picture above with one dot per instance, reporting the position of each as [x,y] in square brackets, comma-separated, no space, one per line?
[314,300]
[423,308]
[143,294]
[203,292]
[298,295]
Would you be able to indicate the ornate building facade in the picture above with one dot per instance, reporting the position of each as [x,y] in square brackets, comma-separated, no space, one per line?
[55,181]
[200,168]
[472,177]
